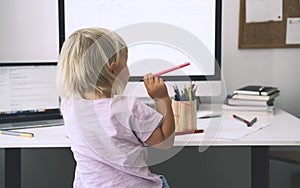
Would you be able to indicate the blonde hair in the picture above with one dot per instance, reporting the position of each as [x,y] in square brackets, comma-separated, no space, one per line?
[83,66]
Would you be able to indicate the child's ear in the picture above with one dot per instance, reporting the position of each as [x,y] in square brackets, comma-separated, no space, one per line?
[112,67]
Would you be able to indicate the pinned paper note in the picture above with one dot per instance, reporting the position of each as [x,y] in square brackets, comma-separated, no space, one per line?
[293,31]
[263,10]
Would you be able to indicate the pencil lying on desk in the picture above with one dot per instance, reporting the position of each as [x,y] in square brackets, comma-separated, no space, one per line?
[189,132]
[249,124]
[171,69]
[15,133]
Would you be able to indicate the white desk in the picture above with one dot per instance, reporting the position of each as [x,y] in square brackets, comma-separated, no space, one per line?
[284,130]
[46,137]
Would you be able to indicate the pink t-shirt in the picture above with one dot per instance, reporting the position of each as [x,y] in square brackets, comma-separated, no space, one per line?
[107,139]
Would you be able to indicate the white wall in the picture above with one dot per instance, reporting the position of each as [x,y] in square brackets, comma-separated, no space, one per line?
[277,66]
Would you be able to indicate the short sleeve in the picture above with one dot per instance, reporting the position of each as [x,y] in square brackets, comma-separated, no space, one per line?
[144,120]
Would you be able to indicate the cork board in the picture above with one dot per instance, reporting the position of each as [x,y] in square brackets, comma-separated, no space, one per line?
[267,34]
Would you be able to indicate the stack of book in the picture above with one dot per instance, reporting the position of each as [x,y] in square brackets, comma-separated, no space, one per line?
[252,98]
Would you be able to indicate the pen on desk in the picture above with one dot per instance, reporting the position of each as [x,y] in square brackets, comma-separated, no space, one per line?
[15,133]
[171,69]
[241,119]
[189,132]
[210,116]
[252,122]
[261,89]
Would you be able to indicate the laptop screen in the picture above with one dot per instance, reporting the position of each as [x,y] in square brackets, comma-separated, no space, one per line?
[28,92]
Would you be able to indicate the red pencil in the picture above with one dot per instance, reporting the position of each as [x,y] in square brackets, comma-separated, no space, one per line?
[241,119]
[189,132]
[171,69]
[249,124]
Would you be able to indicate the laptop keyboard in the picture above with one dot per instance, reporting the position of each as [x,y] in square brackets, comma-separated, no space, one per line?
[31,124]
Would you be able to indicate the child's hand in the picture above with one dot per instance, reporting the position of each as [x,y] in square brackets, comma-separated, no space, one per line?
[156,87]
[162,137]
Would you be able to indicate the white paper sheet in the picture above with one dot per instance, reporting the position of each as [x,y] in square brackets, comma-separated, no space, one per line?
[223,128]
[235,130]
[293,31]
[263,10]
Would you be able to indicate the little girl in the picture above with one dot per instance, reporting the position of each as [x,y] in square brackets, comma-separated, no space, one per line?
[108,132]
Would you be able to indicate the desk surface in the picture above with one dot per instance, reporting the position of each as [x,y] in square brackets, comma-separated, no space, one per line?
[284,130]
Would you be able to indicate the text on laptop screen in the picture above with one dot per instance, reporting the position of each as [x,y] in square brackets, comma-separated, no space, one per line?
[27,88]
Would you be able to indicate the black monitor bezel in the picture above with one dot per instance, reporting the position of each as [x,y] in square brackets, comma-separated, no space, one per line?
[218,47]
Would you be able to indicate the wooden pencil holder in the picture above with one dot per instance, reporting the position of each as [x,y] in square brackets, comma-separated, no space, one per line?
[185,115]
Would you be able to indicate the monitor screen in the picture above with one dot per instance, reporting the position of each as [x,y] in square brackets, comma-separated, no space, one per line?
[159,34]
[29,31]
[23,83]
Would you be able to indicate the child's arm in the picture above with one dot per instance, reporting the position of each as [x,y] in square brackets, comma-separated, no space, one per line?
[163,136]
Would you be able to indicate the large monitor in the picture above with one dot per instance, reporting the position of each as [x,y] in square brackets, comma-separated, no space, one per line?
[160,35]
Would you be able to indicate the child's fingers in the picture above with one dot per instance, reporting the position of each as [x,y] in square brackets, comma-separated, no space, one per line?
[150,78]
[159,80]
[156,80]
[146,78]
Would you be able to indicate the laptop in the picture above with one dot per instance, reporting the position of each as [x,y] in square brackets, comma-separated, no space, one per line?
[28,96]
